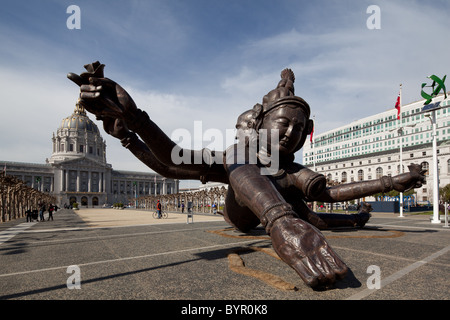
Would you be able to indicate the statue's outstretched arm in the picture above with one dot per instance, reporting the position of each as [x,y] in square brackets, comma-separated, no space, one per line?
[183,171]
[110,102]
[402,182]
[179,163]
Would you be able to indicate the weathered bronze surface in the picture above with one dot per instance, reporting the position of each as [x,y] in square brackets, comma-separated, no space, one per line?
[276,200]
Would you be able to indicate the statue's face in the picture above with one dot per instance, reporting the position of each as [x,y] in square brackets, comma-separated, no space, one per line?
[289,122]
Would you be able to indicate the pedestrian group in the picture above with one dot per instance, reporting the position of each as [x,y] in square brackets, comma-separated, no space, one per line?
[36,214]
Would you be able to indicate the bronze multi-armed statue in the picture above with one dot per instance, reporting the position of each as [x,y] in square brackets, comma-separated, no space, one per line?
[269,135]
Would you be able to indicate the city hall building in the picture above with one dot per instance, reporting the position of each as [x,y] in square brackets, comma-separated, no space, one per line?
[369,148]
[77,170]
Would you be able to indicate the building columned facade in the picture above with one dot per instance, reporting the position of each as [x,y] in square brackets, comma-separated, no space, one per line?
[77,170]
[369,148]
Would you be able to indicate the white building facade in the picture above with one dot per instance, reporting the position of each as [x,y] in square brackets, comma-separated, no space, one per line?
[369,148]
[77,170]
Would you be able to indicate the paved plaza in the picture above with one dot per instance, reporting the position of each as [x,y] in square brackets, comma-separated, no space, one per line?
[105,254]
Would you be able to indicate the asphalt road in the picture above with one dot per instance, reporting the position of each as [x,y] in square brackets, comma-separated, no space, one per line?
[70,259]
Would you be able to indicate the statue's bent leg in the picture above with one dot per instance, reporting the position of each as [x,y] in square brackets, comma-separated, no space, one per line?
[237,215]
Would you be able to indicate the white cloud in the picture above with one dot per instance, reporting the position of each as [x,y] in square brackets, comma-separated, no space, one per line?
[33,106]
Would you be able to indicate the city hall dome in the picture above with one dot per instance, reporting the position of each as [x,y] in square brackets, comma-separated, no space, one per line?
[78,137]
[79,121]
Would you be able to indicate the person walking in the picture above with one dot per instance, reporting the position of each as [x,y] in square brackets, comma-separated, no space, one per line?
[41,212]
[28,213]
[50,212]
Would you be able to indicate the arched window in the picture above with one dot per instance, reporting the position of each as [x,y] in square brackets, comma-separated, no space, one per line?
[95,201]
[72,199]
[360,175]
[344,177]
[379,172]
[425,166]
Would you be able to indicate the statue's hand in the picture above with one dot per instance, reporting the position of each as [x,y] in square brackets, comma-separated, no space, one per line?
[415,178]
[94,69]
[105,98]
[306,250]
[102,96]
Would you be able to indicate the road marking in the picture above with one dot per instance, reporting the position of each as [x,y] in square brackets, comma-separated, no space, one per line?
[439,228]
[122,235]
[108,227]
[399,274]
[13,231]
[130,258]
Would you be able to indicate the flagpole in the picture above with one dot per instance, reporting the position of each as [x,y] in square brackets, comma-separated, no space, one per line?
[313,145]
[314,155]
[401,149]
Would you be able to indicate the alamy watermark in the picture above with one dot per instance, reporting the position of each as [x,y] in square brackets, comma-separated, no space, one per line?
[374,280]
[374,20]
[74,20]
[74,280]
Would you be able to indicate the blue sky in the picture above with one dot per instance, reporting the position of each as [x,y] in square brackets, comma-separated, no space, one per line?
[196,60]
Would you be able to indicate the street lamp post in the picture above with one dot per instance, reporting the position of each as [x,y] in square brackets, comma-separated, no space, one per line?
[437,86]
[432,117]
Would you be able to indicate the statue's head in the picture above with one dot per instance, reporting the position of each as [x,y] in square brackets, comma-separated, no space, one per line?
[283,111]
